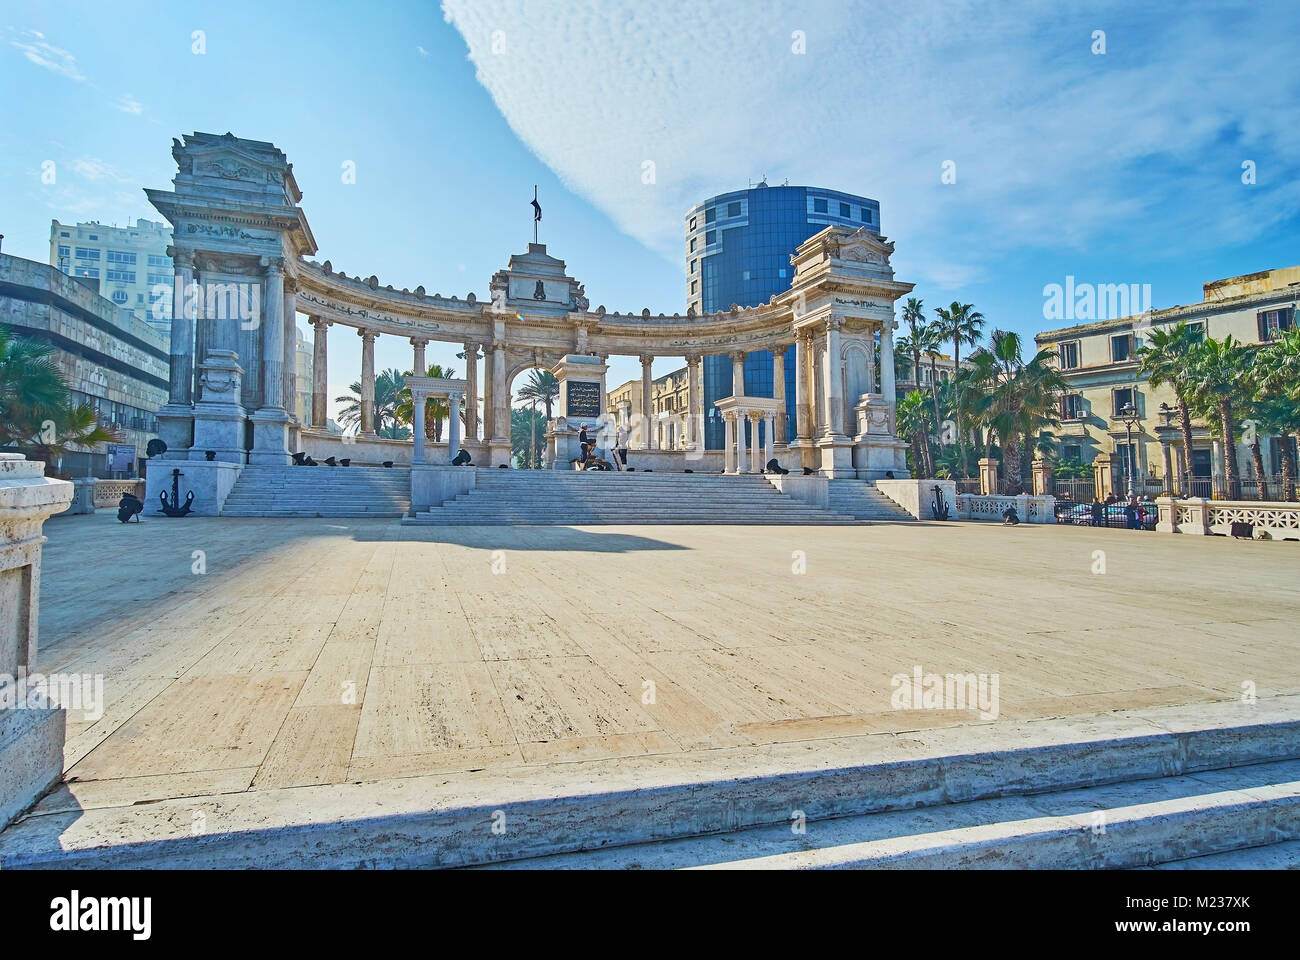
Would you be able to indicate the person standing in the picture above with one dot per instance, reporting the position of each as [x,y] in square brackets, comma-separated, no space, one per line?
[621,443]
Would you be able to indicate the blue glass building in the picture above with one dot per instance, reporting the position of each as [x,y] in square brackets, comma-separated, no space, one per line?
[738,248]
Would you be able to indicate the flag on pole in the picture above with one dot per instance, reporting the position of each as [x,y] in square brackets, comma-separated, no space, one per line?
[537,207]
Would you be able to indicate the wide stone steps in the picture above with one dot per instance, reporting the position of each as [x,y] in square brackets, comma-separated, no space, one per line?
[861,499]
[1145,788]
[320,491]
[549,498]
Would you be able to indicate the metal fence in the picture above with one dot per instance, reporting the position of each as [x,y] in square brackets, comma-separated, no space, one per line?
[1113,515]
[968,486]
[1075,490]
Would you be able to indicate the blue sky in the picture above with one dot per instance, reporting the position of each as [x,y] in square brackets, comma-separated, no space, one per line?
[1115,167]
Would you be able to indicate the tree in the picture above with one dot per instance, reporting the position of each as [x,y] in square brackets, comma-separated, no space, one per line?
[387,387]
[1218,373]
[37,414]
[436,409]
[1165,358]
[1277,403]
[543,387]
[522,442]
[914,317]
[930,339]
[1023,402]
[960,323]
[914,424]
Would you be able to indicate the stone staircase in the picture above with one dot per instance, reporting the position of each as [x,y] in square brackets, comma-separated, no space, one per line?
[861,499]
[321,491]
[591,497]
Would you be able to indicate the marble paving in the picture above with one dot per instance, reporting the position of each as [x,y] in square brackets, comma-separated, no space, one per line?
[330,651]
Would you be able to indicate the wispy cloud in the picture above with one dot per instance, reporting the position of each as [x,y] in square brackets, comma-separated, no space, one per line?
[44,54]
[423,52]
[129,104]
[1052,145]
[95,169]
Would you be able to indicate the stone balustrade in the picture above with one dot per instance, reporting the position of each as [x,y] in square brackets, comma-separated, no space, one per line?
[1275,520]
[984,506]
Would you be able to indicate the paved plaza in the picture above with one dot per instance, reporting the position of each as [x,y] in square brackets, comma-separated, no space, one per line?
[335,651]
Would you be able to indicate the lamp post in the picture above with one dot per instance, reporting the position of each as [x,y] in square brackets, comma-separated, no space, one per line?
[1128,413]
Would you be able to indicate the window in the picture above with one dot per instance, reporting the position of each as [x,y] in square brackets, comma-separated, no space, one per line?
[1070,355]
[119,256]
[1121,348]
[1072,452]
[695,266]
[64,234]
[160,278]
[1274,322]
[693,219]
[1072,406]
[710,236]
[157,261]
[819,206]
[695,287]
[692,244]
[866,215]
[710,215]
[87,253]
[781,273]
[92,237]
[120,276]
[1121,398]
[92,272]
[733,208]
[64,251]
[746,275]
[846,211]
[119,296]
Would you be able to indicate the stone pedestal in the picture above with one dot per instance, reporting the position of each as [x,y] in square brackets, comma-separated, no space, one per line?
[917,497]
[31,728]
[434,484]
[836,457]
[562,444]
[176,429]
[988,476]
[83,497]
[270,438]
[877,451]
[1044,482]
[582,389]
[211,482]
[218,416]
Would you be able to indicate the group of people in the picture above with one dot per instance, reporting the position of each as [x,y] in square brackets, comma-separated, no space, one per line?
[610,436]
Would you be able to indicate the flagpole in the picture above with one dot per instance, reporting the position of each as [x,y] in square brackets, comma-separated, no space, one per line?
[535,221]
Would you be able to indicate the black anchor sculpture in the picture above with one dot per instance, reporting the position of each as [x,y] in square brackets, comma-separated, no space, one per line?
[939,506]
[174,509]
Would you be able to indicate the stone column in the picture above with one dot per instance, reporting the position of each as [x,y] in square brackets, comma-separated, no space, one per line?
[419,366]
[417,408]
[453,425]
[741,451]
[802,401]
[471,391]
[778,393]
[988,475]
[755,448]
[289,378]
[647,401]
[181,380]
[367,383]
[769,444]
[487,393]
[1167,461]
[737,373]
[319,373]
[694,420]
[500,402]
[273,336]
[729,442]
[833,389]
[888,387]
[1042,471]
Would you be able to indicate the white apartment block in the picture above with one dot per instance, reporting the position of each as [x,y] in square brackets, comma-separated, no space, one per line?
[129,263]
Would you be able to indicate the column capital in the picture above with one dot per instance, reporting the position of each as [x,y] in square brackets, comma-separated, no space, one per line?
[369,336]
[181,259]
[320,323]
[805,334]
[834,323]
[290,283]
[273,265]
[471,350]
[647,359]
[419,341]
[736,355]
[455,396]
[779,350]
[693,359]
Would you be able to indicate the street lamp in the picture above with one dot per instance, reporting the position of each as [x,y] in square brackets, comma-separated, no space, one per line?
[1128,413]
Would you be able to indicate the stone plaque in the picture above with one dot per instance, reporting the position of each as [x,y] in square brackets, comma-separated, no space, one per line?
[583,398]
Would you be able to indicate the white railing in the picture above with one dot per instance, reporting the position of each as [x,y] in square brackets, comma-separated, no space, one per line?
[984,506]
[1274,520]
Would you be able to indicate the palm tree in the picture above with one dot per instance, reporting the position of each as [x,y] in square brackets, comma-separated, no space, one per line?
[436,409]
[1218,371]
[387,387]
[914,423]
[523,442]
[929,342]
[1164,359]
[960,323]
[543,387]
[914,317]
[36,410]
[1277,379]
[1024,401]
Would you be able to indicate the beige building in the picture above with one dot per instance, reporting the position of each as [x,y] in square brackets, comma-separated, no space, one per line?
[129,264]
[906,382]
[303,384]
[669,403]
[1099,362]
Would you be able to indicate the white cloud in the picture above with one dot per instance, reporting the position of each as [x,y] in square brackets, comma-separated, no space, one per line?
[423,52]
[95,169]
[1053,146]
[44,54]
[129,104]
